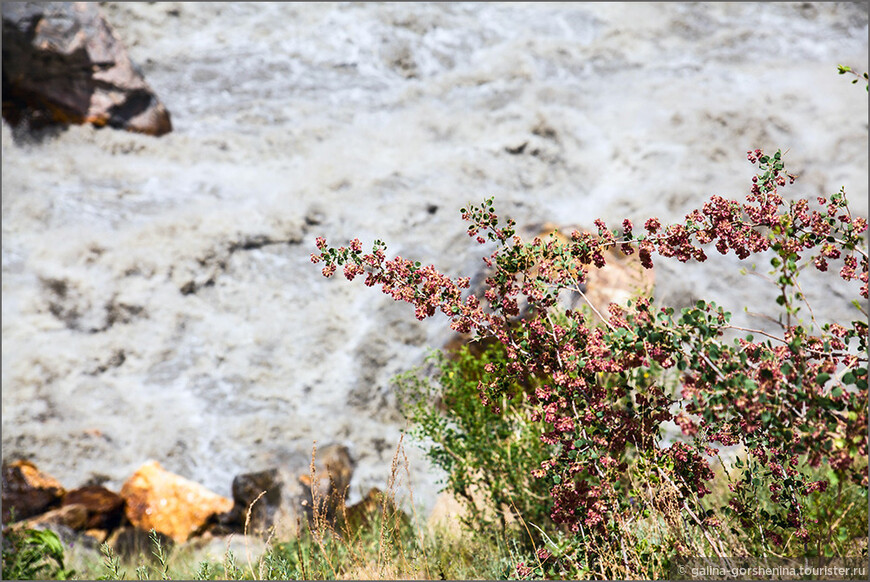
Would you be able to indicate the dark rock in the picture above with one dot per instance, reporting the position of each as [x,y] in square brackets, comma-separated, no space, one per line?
[375,506]
[516,150]
[62,63]
[97,479]
[360,515]
[247,488]
[542,129]
[131,543]
[325,486]
[27,491]
[105,508]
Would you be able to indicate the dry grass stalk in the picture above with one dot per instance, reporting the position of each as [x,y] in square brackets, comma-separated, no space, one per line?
[247,523]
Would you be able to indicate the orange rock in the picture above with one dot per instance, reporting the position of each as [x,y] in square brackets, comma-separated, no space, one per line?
[168,503]
[27,491]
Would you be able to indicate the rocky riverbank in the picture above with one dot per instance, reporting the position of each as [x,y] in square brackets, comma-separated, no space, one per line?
[274,502]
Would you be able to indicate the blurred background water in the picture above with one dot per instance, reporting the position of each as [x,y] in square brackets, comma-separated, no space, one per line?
[158,299]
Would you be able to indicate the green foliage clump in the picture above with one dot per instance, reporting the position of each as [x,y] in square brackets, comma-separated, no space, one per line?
[488,457]
[30,553]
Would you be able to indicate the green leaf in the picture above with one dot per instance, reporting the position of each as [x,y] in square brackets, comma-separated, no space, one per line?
[51,543]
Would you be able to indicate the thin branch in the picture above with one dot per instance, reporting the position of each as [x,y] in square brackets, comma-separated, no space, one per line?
[576,288]
[765,316]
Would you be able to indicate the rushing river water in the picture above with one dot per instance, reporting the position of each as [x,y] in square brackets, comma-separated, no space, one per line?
[158,299]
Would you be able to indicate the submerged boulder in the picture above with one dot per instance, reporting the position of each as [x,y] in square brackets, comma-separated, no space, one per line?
[62,63]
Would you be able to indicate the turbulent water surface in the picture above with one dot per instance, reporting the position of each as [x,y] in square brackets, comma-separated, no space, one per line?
[158,299]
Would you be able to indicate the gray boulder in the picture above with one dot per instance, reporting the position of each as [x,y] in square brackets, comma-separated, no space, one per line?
[62,63]
[260,494]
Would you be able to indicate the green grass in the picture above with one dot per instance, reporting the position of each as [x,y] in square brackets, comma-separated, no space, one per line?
[382,549]
[388,544]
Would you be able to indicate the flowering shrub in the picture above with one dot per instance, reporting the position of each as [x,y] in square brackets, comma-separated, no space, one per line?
[793,399]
